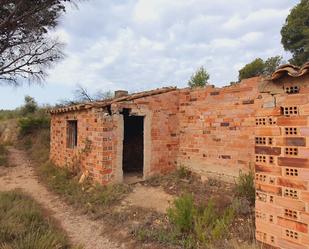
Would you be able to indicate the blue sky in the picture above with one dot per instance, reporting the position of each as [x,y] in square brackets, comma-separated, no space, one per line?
[144,44]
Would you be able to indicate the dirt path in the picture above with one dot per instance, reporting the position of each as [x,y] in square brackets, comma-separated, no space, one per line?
[81,230]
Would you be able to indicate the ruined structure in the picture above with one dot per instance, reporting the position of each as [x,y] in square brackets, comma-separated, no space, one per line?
[259,123]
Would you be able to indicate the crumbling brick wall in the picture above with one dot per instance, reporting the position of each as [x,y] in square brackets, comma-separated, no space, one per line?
[100,134]
[282,164]
[212,131]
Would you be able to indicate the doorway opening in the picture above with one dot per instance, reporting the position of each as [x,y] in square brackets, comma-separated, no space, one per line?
[133,147]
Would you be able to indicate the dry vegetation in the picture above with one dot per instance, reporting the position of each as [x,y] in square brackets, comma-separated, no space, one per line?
[3,155]
[23,225]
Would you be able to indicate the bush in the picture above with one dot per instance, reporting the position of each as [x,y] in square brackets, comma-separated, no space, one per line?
[29,125]
[203,222]
[23,226]
[220,229]
[29,107]
[245,186]
[199,225]
[182,215]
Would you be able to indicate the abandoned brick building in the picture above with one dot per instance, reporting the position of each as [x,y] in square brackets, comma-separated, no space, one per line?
[261,122]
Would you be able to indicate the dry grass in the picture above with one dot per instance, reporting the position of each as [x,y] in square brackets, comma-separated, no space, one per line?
[23,225]
[3,155]
[89,198]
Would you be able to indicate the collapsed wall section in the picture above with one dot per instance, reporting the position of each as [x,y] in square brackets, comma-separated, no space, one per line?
[216,128]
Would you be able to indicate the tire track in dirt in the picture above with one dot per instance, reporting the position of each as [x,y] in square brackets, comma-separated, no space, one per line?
[80,228]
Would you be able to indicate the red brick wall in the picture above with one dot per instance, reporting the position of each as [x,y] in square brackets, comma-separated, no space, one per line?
[217,128]
[162,110]
[100,131]
[282,165]
[213,131]
[95,151]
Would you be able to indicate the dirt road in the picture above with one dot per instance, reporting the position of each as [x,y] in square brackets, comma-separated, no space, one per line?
[80,229]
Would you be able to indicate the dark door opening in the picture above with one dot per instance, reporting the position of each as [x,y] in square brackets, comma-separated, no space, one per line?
[133,145]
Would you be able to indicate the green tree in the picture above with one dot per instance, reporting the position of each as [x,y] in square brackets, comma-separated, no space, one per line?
[295,33]
[260,67]
[271,64]
[252,69]
[30,106]
[26,49]
[199,78]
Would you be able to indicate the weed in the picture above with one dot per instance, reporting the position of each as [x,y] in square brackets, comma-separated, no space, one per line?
[245,186]
[222,224]
[160,235]
[23,226]
[182,214]
[213,182]
[241,206]
[183,172]
[203,222]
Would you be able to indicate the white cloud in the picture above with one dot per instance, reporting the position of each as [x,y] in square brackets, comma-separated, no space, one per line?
[139,44]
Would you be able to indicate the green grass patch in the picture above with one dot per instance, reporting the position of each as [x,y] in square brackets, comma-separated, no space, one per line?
[88,197]
[23,225]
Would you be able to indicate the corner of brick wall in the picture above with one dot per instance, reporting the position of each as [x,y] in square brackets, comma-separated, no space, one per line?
[282,166]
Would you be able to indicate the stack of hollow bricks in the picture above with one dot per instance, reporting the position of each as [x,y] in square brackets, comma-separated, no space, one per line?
[282,166]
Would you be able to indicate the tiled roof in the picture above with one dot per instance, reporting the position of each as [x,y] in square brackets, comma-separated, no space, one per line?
[108,102]
[290,70]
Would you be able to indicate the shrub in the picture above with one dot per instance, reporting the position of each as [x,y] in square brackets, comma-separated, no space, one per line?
[29,107]
[29,125]
[222,224]
[245,186]
[199,225]
[204,222]
[182,214]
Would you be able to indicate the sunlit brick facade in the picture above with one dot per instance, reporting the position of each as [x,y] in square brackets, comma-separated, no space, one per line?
[258,123]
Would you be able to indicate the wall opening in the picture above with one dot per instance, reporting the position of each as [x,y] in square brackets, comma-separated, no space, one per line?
[133,147]
[72,134]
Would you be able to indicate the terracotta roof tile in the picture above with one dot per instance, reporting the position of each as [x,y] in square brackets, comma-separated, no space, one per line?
[108,102]
[290,70]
